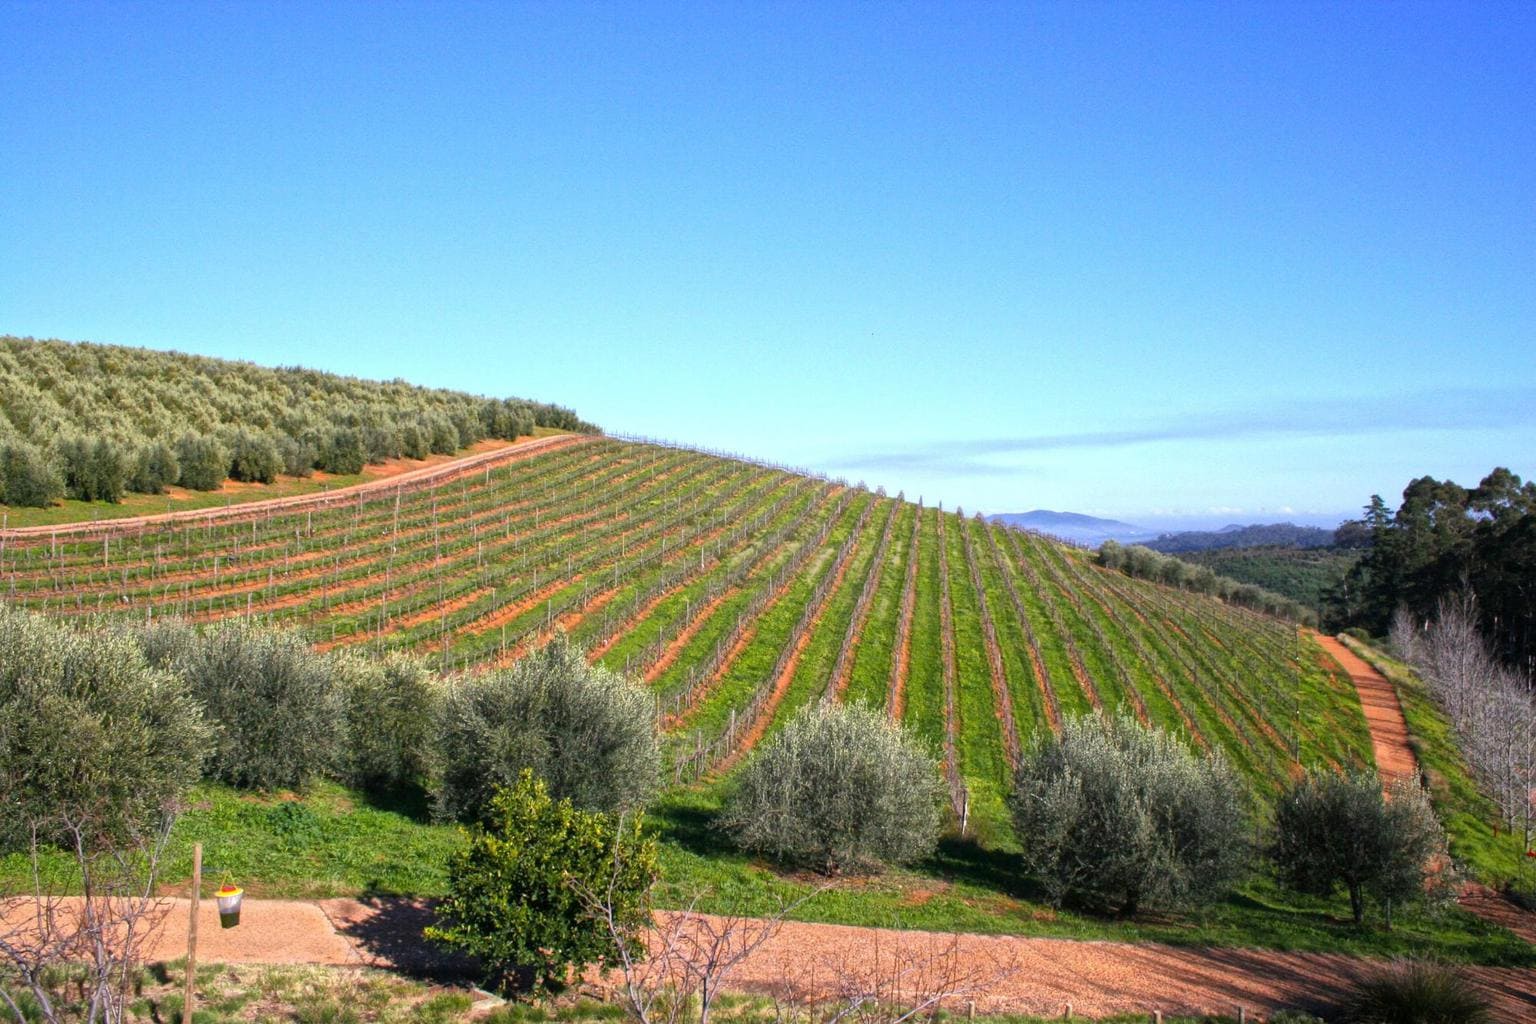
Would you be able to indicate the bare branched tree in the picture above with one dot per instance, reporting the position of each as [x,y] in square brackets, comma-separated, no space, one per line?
[676,970]
[1489,704]
[103,931]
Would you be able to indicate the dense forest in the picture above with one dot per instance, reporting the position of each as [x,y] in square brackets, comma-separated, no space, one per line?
[1306,575]
[1445,540]
[95,421]
[1287,535]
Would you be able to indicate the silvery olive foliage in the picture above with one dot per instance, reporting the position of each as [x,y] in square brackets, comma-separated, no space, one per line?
[838,788]
[1111,814]
[90,734]
[92,421]
[279,714]
[587,732]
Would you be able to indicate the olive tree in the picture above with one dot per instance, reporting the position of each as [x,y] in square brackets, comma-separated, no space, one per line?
[1114,814]
[279,714]
[96,751]
[1336,830]
[839,787]
[588,732]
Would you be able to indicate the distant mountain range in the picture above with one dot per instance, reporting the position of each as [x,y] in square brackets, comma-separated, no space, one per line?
[1075,526]
[1093,531]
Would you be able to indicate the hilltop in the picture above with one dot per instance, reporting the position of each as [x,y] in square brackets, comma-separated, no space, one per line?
[94,422]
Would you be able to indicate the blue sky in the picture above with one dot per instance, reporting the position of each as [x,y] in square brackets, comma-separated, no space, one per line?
[1235,260]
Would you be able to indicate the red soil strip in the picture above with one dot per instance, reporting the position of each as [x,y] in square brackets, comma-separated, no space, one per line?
[1383,713]
[764,716]
[1052,711]
[901,662]
[409,480]
[700,616]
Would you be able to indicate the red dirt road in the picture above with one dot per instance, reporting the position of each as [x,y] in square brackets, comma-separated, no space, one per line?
[1383,713]
[1011,974]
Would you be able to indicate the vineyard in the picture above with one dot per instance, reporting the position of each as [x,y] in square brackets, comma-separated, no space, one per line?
[739,593]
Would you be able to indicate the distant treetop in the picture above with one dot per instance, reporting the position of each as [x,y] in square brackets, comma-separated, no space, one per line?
[94,421]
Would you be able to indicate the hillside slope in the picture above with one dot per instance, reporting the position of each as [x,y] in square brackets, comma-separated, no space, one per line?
[93,421]
[739,593]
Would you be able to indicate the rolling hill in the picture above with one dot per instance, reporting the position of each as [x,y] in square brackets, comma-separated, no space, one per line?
[739,592]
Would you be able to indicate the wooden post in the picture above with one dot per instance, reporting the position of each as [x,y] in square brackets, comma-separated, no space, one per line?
[197,889]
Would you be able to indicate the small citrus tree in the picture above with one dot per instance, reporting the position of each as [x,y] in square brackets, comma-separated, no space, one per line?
[519,892]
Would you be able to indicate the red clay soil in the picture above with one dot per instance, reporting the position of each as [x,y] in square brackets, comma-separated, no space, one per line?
[901,662]
[1011,974]
[1383,713]
[410,480]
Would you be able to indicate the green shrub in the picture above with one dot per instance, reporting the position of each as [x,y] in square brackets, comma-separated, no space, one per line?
[279,713]
[390,706]
[1416,992]
[519,893]
[28,477]
[588,732]
[839,787]
[585,731]
[154,468]
[254,458]
[298,455]
[343,453]
[203,462]
[1334,830]
[94,469]
[89,732]
[1112,814]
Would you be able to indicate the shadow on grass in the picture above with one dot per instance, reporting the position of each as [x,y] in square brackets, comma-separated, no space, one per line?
[966,860]
[409,800]
[692,826]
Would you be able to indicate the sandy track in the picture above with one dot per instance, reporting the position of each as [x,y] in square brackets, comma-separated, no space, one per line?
[1383,713]
[1014,974]
[411,480]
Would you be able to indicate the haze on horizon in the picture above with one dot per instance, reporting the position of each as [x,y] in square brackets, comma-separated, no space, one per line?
[1238,262]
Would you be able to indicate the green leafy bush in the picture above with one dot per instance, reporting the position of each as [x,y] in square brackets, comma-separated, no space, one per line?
[27,477]
[203,462]
[89,732]
[521,890]
[254,458]
[280,716]
[839,787]
[390,708]
[1334,830]
[1416,992]
[154,468]
[1113,814]
[588,732]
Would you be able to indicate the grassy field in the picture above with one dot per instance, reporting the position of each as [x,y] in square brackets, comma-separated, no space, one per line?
[335,842]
